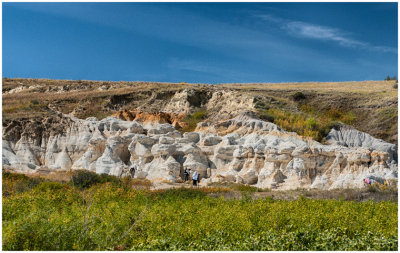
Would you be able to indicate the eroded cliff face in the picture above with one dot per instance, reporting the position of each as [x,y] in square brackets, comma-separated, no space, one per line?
[243,150]
[219,104]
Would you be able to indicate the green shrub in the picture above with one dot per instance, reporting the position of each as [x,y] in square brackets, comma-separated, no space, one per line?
[192,120]
[388,78]
[14,176]
[84,179]
[311,123]
[104,178]
[17,183]
[260,105]
[265,115]
[199,115]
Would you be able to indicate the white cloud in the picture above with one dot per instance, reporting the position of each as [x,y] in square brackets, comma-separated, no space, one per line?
[318,32]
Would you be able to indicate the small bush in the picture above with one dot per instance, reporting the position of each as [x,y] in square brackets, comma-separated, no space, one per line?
[395,86]
[104,178]
[298,96]
[14,176]
[199,115]
[311,123]
[192,120]
[260,105]
[265,115]
[388,78]
[84,179]
[18,183]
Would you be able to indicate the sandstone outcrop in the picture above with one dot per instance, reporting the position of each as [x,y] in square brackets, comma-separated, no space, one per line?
[243,150]
[350,137]
[220,104]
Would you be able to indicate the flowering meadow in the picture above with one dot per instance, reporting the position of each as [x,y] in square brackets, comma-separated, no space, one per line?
[112,215]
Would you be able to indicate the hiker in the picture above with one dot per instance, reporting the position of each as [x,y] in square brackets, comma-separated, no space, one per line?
[367,181]
[132,171]
[195,177]
[186,175]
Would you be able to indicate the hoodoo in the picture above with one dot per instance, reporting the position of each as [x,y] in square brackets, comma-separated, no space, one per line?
[244,149]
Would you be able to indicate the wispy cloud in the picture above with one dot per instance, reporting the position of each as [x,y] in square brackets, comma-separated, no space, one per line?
[318,32]
[321,33]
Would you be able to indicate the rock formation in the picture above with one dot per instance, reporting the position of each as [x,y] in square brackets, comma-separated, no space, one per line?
[243,150]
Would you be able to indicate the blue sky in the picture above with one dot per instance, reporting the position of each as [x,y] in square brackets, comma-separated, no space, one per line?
[200,42]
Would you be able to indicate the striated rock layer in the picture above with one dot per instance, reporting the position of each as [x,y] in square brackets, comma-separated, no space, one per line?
[243,150]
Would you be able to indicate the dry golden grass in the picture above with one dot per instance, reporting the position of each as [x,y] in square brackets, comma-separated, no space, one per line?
[45,91]
[83,90]
[357,87]
[136,183]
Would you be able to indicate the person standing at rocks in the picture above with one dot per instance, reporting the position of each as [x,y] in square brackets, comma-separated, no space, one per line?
[186,175]
[132,171]
[195,177]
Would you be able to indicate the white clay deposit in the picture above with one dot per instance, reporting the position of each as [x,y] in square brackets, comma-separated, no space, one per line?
[243,150]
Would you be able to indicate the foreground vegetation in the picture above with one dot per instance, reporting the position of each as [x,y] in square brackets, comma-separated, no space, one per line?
[103,213]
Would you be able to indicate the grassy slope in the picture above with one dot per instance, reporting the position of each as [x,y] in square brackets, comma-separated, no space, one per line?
[82,95]
[41,215]
[371,106]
